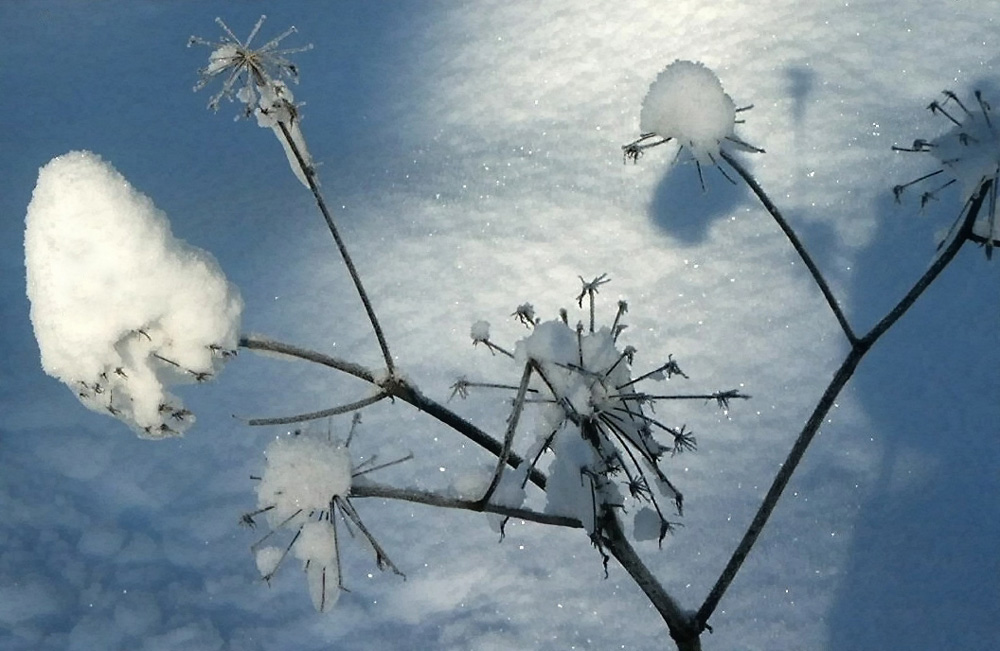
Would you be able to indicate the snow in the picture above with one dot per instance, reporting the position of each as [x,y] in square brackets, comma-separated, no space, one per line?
[686,102]
[480,331]
[303,473]
[120,307]
[316,547]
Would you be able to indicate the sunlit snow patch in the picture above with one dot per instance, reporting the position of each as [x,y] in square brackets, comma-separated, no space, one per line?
[121,308]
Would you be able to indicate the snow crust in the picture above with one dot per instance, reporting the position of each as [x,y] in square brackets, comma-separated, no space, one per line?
[121,308]
[686,102]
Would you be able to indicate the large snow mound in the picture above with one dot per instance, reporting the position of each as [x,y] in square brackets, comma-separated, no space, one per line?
[120,307]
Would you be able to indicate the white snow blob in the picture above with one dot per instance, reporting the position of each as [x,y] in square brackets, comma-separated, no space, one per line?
[303,474]
[120,307]
[304,490]
[687,103]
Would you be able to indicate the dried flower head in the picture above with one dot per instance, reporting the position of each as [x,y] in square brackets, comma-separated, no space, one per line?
[969,156]
[245,71]
[594,420]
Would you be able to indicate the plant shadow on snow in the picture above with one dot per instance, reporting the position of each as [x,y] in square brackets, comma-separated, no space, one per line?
[922,567]
[685,211]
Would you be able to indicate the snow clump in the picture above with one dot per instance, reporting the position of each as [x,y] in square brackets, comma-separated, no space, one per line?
[121,308]
[687,103]
[303,475]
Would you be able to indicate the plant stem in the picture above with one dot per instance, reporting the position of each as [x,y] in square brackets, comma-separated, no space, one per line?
[310,175]
[371,489]
[681,625]
[859,349]
[817,276]
[395,388]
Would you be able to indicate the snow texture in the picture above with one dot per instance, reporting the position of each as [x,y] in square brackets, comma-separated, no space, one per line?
[120,307]
[687,103]
[303,473]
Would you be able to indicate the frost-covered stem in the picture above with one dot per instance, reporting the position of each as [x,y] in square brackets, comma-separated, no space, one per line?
[395,388]
[817,276]
[508,439]
[310,176]
[859,349]
[323,413]
[256,342]
[682,627]
[370,489]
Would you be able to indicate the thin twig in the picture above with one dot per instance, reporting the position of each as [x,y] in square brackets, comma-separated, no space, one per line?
[371,489]
[316,415]
[796,244]
[256,342]
[310,176]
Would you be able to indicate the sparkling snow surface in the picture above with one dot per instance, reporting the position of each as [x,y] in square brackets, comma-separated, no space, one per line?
[472,154]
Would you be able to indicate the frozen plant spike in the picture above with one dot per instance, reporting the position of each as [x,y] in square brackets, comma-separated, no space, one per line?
[120,307]
[968,153]
[245,71]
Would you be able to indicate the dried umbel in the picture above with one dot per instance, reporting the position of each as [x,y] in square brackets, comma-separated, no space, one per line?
[969,158]
[593,419]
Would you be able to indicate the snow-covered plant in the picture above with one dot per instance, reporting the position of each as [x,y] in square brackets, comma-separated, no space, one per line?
[686,104]
[969,156]
[121,308]
[256,78]
[594,421]
[305,488]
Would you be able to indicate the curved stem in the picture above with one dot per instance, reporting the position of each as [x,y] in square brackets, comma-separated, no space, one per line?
[817,276]
[310,175]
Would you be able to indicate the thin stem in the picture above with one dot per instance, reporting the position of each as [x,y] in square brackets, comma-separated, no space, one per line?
[310,176]
[371,489]
[508,438]
[316,415]
[256,342]
[817,276]
[858,350]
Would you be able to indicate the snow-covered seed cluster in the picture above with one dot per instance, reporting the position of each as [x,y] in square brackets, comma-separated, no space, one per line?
[969,157]
[304,490]
[256,79]
[687,104]
[593,421]
[120,307]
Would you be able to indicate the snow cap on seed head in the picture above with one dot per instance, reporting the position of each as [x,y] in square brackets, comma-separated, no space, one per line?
[687,103]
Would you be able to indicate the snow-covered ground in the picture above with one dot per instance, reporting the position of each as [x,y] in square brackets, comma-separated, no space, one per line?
[472,153]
